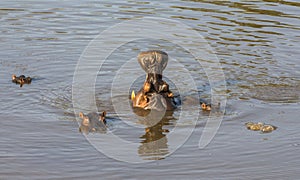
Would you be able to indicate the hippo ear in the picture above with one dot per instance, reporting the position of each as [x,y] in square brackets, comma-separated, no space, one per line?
[203,105]
[103,114]
[81,115]
[102,117]
[208,107]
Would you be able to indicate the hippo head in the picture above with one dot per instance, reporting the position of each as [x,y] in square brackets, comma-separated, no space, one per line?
[92,122]
[155,93]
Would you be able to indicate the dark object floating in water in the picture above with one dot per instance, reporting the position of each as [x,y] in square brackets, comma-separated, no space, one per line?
[93,122]
[262,127]
[21,79]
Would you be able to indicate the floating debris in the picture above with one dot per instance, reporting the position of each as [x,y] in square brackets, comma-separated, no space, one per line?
[264,128]
[254,126]
[268,128]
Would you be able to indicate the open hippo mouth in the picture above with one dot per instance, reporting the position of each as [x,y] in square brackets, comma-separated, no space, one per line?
[155,93]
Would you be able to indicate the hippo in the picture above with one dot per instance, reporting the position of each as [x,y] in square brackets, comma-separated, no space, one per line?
[93,122]
[21,80]
[155,93]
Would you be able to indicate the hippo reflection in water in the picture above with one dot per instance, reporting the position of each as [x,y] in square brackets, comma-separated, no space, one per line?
[155,93]
[93,122]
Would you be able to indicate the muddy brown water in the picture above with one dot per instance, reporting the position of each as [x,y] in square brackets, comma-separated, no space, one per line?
[256,42]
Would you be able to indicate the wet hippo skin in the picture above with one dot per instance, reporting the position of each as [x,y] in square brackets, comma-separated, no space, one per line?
[155,93]
[92,122]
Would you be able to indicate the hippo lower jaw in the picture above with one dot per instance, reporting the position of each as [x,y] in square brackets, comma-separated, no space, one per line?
[160,103]
[152,101]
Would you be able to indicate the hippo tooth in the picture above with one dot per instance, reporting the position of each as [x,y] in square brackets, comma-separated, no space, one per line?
[132,95]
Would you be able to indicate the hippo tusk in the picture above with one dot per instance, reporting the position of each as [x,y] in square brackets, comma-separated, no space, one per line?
[132,95]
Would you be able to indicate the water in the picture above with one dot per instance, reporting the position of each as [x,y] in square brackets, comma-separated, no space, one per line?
[256,42]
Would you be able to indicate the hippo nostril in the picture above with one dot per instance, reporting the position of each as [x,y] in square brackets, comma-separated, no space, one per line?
[153,61]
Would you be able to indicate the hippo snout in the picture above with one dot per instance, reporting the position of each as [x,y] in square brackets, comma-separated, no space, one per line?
[92,122]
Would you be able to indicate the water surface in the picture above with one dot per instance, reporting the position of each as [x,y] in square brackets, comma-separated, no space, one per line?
[256,42]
